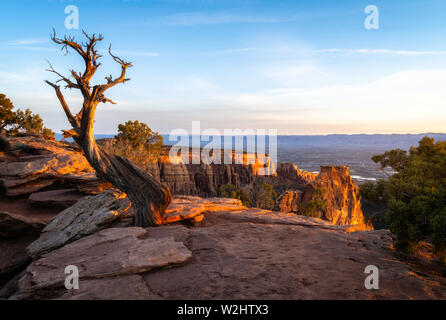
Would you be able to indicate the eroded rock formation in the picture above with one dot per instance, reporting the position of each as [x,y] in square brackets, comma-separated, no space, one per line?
[32,165]
[29,164]
[337,190]
[341,196]
[290,201]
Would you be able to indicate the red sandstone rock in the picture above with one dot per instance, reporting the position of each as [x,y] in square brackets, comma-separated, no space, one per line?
[62,198]
[343,205]
[290,201]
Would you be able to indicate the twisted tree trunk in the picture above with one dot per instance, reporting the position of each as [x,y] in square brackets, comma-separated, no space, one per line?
[149,197]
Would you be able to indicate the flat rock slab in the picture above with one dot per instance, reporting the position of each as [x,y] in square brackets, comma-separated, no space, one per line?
[33,163]
[88,215]
[276,260]
[178,212]
[189,207]
[62,198]
[245,254]
[131,287]
[109,253]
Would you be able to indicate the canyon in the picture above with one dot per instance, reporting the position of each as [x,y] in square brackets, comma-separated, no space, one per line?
[55,174]
[55,212]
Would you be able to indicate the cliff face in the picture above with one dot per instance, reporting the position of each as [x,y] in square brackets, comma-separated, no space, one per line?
[204,179]
[341,195]
[30,165]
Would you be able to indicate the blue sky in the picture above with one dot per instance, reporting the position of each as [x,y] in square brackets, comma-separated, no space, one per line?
[301,67]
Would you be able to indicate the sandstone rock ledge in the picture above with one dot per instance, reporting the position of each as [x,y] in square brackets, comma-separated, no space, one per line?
[234,254]
[107,254]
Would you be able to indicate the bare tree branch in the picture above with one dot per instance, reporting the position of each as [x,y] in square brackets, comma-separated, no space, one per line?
[149,197]
[73,121]
[69,83]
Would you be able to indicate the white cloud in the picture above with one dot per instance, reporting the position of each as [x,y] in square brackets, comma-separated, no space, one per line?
[193,83]
[402,101]
[297,73]
[21,42]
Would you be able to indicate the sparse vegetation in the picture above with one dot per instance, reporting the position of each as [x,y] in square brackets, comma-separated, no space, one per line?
[316,204]
[231,191]
[138,134]
[137,142]
[265,197]
[19,121]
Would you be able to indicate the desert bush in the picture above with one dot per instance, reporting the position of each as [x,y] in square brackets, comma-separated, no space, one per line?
[137,142]
[19,121]
[264,196]
[138,134]
[231,191]
[317,203]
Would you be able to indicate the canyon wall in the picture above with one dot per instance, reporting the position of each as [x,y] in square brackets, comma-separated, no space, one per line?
[31,165]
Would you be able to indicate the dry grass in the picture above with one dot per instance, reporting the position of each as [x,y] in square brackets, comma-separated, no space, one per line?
[143,156]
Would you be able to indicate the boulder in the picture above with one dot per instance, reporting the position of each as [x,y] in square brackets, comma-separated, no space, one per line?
[14,225]
[62,198]
[109,253]
[88,215]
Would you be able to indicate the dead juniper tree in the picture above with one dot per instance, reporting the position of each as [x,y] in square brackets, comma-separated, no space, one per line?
[149,197]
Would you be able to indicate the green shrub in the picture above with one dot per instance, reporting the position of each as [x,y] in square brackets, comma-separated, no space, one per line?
[20,122]
[265,196]
[376,193]
[415,196]
[231,191]
[439,231]
[137,142]
[138,134]
[317,203]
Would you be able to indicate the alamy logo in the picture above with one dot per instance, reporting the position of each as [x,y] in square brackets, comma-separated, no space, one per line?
[234,146]
[371,22]
[72,20]
[72,280]
[372,280]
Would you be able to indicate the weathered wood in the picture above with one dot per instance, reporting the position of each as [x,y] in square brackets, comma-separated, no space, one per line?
[149,197]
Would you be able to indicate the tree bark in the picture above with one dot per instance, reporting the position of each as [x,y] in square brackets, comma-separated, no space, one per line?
[149,197]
